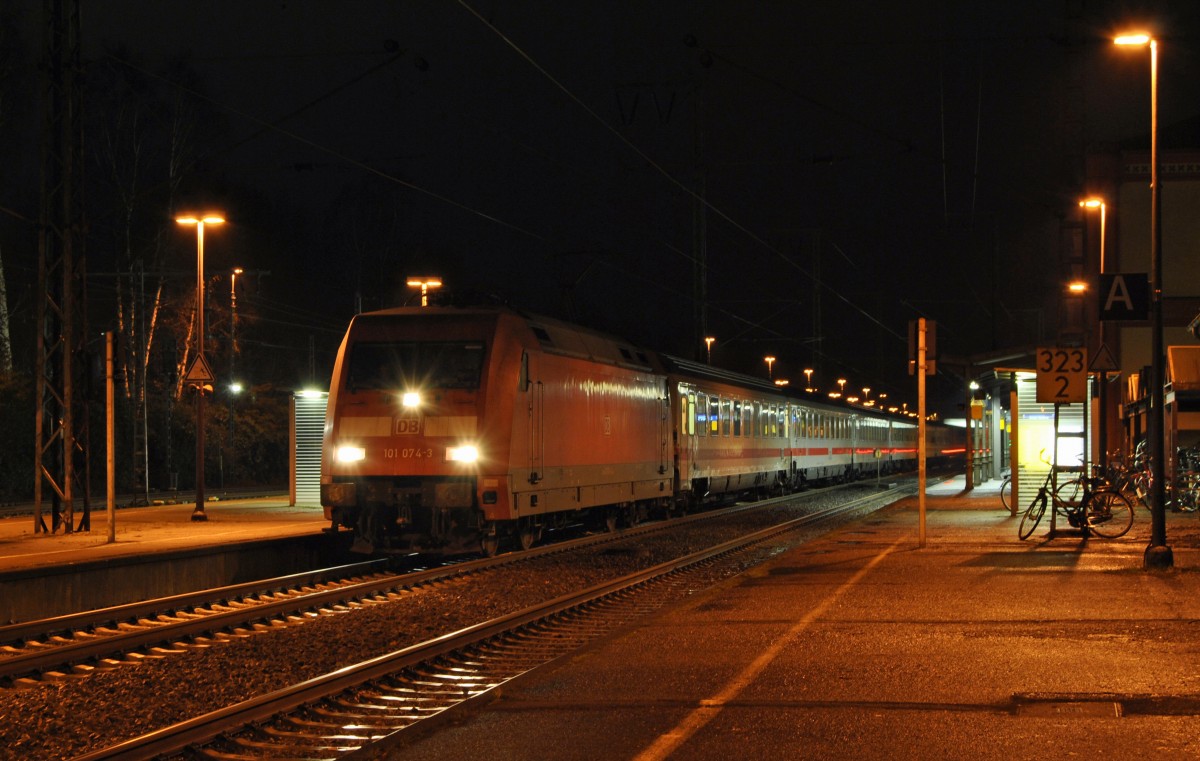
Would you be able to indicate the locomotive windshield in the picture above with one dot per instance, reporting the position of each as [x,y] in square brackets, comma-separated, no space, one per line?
[415,364]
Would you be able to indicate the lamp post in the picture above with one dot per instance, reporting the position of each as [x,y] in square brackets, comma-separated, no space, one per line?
[235,387]
[1158,554]
[1097,203]
[1088,204]
[808,371]
[198,513]
[770,364]
[424,283]
[708,342]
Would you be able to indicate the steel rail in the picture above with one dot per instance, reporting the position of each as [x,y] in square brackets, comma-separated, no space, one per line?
[118,630]
[206,728]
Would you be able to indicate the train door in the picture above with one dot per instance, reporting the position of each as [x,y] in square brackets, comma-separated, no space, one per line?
[535,400]
[665,426]
[685,435]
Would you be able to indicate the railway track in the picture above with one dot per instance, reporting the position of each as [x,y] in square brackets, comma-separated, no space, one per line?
[359,710]
[76,645]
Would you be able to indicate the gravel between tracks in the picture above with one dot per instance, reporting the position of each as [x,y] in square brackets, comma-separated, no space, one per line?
[62,719]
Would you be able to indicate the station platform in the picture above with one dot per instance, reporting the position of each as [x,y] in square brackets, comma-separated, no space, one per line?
[151,529]
[864,645]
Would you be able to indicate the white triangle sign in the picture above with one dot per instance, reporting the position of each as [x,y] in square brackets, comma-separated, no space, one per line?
[199,372]
[1103,361]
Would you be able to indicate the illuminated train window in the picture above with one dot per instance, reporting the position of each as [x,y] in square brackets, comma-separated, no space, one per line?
[714,415]
[736,418]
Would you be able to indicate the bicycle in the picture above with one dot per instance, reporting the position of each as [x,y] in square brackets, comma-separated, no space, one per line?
[1099,509]
[1037,508]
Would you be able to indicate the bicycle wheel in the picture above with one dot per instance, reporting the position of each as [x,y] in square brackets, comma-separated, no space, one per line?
[1006,493]
[1033,515]
[1069,493]
[1108,513]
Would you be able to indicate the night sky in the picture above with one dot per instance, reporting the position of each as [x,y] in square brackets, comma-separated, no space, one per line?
[842,168]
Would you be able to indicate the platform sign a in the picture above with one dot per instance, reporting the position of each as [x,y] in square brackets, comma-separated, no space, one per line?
[1124,296]
[1062,374]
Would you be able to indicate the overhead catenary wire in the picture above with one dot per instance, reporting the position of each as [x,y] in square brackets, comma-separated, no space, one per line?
[650,161]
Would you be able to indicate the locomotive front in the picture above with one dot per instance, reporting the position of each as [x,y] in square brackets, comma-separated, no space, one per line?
[415,425]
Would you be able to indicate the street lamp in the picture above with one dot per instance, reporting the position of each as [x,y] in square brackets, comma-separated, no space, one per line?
[199,361]
[1089,204]
[708,342]
[770,363]
[233,319]
[1097,203]
[808,371]
[1158,554]
[424,283]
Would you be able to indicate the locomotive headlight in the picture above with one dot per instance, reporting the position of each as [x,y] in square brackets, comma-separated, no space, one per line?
[347,453]
[411,400]
[465,453]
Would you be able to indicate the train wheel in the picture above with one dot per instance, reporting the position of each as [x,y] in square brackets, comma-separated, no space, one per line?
[633,515]
[610,519]
[489,543]
[529,533]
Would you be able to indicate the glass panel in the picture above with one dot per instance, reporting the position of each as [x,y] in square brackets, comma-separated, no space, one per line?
[414,365]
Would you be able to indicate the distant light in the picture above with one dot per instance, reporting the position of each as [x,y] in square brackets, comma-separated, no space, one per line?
[1092,203]
[424,283]
[236,388]
[1140,38]
[974,386]
[781,382]
[411,399]
[1077,286]
[208,219]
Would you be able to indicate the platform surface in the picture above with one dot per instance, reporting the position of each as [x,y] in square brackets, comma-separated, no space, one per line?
[865,645]
[153,528]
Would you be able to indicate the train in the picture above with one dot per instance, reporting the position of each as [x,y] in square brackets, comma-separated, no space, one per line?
[467,428]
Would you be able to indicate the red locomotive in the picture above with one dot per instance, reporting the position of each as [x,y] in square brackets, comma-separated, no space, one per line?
[455,429]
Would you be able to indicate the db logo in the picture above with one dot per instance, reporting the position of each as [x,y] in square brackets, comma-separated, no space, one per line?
[408,426]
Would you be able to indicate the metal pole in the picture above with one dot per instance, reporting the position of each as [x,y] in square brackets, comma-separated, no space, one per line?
[198,513]
[1158,553]
[921,427]
[1014,455]
[1102,434]
[110,438]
